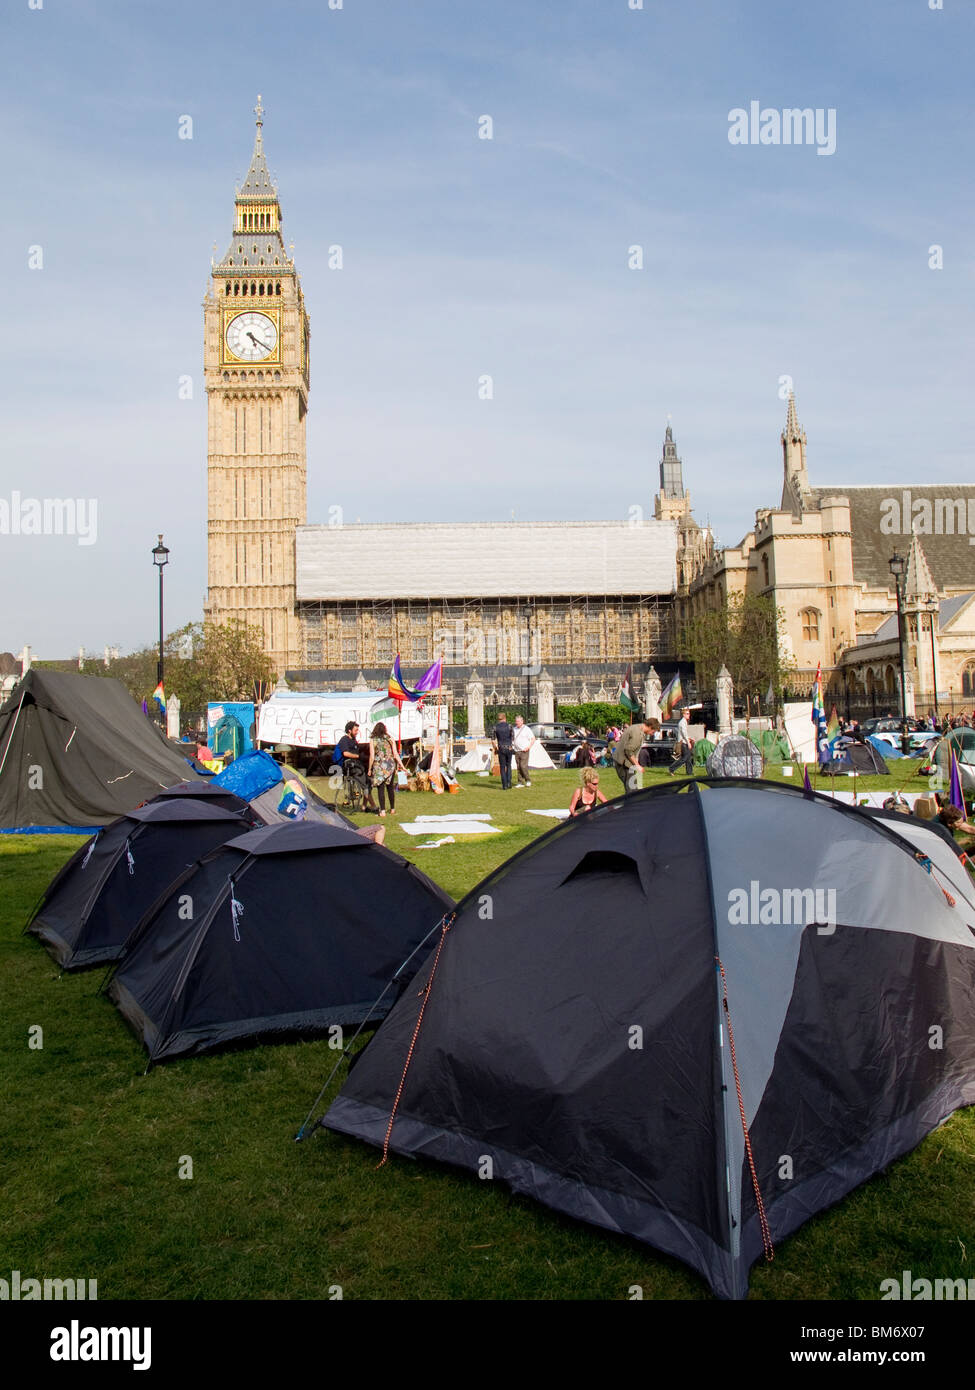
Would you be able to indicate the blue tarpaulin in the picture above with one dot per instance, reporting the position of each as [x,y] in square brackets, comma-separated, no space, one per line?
[250,775]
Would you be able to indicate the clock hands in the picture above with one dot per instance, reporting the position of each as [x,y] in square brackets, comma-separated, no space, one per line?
[257,342]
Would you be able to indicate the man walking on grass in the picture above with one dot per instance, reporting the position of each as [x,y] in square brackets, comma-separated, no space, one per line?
[523,740]
[626,755]
[683,748]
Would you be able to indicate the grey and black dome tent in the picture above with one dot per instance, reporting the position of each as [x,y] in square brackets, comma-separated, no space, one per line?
[961,742]
[855,756]
[76,751]
[211,793]
[100,895]
[735,756]
[650,1017]
[287,930]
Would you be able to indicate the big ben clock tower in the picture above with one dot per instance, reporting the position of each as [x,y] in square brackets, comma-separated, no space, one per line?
[256,371]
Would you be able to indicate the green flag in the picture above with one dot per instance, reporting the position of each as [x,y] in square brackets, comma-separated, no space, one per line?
[627,694]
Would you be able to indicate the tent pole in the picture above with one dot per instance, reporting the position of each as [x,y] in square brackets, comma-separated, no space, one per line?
[12,728]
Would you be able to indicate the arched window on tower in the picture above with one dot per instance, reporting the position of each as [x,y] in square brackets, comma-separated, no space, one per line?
[243,288]
[253,287]
[277,288]
[810,624]
[260,289]
[765,571]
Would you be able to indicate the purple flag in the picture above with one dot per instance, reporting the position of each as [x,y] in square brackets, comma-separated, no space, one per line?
[955,795]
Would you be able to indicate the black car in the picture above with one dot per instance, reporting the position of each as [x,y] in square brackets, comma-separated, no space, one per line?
[559,738]
[658,752]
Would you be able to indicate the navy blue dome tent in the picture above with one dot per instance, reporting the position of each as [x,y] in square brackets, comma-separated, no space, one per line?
[100,894]
[672,992]
[287,930]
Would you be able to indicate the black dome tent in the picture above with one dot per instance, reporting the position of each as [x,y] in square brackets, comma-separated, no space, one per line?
[285,931]
[76,751]
[94,902]
[673,992]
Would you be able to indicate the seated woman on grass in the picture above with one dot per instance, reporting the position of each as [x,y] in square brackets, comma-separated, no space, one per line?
[587,796]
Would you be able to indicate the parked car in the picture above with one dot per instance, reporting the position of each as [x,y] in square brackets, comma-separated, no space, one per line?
[559,738]
[886,724]
[658,752]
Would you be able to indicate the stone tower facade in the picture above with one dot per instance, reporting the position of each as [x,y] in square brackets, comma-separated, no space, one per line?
[673,503]
[256,370]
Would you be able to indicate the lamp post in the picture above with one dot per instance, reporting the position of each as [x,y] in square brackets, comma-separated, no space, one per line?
[160,558]
[898,568]
[529,613]
[935,610]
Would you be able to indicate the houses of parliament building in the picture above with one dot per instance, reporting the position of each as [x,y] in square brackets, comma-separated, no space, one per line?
[581,600]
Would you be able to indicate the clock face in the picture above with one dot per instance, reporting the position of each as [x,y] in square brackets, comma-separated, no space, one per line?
[252,337]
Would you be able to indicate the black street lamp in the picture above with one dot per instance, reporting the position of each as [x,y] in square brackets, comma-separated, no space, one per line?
[898,568]
[529,614]
[160,557]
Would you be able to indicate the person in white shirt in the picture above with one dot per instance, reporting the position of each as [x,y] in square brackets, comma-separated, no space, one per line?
[523,740]
[683,748]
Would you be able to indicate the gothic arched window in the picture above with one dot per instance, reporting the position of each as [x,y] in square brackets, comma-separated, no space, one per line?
[277,288]
[968,682]
[810,624]
[260,289]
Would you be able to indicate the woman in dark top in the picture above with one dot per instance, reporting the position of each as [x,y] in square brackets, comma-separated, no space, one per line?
[588,796]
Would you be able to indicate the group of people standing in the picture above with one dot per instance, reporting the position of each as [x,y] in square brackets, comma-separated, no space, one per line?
[376,761]
[513,740]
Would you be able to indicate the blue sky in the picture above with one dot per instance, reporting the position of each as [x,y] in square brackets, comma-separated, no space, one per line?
[465,256]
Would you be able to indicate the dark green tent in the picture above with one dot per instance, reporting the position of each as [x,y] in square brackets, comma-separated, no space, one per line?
[76,752]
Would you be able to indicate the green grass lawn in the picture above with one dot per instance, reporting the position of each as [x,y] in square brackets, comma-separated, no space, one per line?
[92,1150]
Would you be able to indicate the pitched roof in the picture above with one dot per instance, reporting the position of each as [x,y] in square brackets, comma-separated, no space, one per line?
[406,560]
[950,555]
[948,609]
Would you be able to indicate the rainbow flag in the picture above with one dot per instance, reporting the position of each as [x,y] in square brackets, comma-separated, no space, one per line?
[671,697]
[159,695]
[432,679]
[397,686]
[833,727]
[818,715]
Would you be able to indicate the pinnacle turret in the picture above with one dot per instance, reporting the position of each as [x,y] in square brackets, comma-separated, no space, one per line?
[258,186]
[671,472]
[257,243]
[795,480]
[919,583]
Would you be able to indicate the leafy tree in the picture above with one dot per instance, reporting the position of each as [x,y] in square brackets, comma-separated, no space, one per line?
[744,636]
[596,715]
[205,662]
